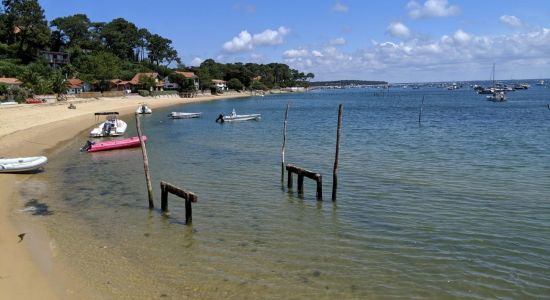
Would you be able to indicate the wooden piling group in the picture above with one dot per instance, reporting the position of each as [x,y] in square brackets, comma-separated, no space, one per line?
[189,197]
[301,173]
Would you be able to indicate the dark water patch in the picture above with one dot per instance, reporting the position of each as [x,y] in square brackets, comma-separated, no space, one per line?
[37,208]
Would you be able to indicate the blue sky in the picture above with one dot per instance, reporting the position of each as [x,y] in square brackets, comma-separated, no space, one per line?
[396,41]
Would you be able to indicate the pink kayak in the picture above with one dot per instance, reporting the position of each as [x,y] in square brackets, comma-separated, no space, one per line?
[113,144]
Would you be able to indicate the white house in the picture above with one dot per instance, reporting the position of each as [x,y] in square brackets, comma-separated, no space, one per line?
[220,84]
[77,86]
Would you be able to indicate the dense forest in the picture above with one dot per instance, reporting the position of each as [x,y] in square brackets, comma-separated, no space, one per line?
[100,51]
[347,82]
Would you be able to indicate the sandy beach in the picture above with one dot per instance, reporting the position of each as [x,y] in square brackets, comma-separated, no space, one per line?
[31,130]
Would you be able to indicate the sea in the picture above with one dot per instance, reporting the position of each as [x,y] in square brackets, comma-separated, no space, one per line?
[454,203]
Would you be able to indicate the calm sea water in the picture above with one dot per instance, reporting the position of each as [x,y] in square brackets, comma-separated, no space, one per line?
[456,208]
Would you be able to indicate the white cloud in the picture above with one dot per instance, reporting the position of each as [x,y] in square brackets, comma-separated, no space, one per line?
[242,42]
[316,53]
[339,7]
[246,42]
[196,61]
[337,41]
[432,8]
[459,55]
[271,37]
[397,29]
[511,21]
[293,53]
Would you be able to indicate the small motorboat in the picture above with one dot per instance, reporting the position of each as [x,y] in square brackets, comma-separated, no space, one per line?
[22,164]
[143,109]
[112,145]
[233,117]
[184,115]
[111,127]
[11,102]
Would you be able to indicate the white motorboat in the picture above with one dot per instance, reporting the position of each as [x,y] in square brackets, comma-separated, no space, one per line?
[113,126]
[185,115]
[9,103]
[21,164]
[233,117]
[143,109]
[497,97]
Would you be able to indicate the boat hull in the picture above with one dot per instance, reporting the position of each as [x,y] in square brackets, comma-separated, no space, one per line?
[184,115]
[118,129]
[116,144]
[238,118]
[22,164]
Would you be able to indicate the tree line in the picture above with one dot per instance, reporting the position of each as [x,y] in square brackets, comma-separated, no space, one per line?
[101,51]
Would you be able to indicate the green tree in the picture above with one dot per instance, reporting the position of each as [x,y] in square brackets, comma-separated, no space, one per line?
[147,82]
[184,84]
[235,84]
[161,51]
[60,85]
[121,38]
[73,30]
[257,85]
[100,66]
[26,27]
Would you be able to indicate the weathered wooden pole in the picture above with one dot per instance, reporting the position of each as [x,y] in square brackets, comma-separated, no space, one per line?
[337,153]
[284,143]
[420,113]
[300,183]
[289,179]
[163,197]
[319,192]
[145,164]
[548,106]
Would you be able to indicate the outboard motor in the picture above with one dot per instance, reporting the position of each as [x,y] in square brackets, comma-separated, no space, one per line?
[107,128]
[220,118]
[87,146]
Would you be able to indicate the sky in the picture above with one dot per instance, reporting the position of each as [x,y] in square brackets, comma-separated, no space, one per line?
[392,40]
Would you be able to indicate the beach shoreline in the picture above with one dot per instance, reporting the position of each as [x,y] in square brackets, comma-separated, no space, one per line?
[27,270]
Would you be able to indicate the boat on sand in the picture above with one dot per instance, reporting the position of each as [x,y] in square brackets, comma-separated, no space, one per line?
[233,117]
[185,115]
[112,126]
[112,145]
[21,164]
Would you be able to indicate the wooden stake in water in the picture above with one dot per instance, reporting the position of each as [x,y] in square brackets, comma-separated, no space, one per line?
[283,147]
[145,164]
[336,155]
[548,106]
[420,114]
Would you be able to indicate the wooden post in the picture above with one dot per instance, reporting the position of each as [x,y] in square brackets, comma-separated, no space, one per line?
[188,211]
[163,198]
[300,183]
[337,153]
[319,180]
[145,164]
[289,179]
[420,114]
[284,143]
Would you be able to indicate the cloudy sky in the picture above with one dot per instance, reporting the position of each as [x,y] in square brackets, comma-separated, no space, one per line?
[396,41]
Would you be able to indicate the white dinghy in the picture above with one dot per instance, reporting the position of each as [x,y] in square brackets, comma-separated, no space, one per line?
[113,126]
[143,109]
[185,115]
[21,164]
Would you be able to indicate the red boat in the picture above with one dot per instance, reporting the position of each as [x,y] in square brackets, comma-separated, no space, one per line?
[113,144]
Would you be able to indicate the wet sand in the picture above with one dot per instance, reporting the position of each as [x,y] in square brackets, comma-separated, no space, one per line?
[27,270]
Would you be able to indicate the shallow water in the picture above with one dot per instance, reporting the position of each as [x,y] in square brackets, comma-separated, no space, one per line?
[456,207]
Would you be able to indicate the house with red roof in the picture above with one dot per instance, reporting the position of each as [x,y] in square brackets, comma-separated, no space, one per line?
[10,81]
[77,86]
[175,86]
[135,82]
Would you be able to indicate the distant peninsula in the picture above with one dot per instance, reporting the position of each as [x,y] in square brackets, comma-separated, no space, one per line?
[346,83]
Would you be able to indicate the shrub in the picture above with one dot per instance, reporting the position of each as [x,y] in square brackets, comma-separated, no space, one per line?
[144,93]
[235,84]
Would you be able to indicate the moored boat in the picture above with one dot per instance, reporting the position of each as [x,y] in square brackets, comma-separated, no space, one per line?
[113,126]
[22,164]
[233,117]
[144,109]
[113,144]
[184,115]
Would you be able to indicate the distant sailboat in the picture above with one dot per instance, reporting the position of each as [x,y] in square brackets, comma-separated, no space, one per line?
[498,94]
